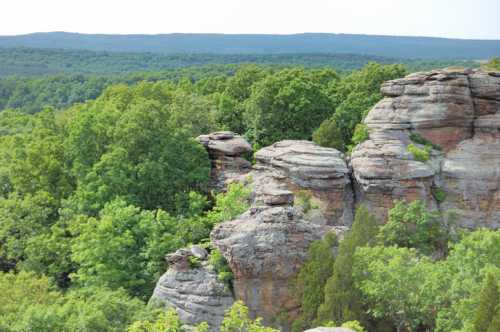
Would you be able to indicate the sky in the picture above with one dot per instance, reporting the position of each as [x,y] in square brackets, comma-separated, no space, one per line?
[439,18]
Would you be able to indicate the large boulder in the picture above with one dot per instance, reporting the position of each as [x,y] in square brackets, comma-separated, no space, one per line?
[193,291]
[226,151]
[456,110]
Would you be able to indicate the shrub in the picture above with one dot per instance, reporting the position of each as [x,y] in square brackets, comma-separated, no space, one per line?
[237,320]
[219,263]
[361,134]
[303,198]
[194,262]
[439,194]
[422,155]
[354,325]
[419,139]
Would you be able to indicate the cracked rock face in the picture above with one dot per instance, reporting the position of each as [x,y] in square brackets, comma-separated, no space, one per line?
[194,292]
[304,168]
[300,191]
[265,248]
[458,110]
[225,150]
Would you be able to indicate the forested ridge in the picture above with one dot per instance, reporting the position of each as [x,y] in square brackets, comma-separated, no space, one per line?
[388,46]
[35,61]
[101,176]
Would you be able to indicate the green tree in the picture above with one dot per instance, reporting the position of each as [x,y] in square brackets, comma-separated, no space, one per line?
[310,281]
[286,105]
[20,220]
[411,225]
[237,320]
[342,301]
[111,250]
[33,159]
[125,145]
[495,323]
[166,322]
[352,97]
[489,300]
[397,285]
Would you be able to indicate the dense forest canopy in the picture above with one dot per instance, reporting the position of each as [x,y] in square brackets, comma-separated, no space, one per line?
[34,61]
[388,46]
[101,176]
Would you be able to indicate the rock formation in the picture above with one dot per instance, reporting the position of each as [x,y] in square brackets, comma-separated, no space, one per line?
[456,110]
[301,191]
[193,291]
[226,151]
[305,168]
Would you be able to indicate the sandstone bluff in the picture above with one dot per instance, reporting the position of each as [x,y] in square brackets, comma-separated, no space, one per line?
[300,191]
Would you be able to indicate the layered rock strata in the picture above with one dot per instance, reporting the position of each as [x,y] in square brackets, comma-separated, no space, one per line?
[226,150]
[193,291]
[458,111]
[309,172]
[300,191]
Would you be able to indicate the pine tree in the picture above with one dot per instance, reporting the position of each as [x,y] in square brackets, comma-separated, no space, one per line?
[310,282]
[342,301]
[495,323]
[488,302]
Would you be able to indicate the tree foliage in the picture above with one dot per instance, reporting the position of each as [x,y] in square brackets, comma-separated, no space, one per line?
[287,105]
[342,301]
[310,281]
[352,98]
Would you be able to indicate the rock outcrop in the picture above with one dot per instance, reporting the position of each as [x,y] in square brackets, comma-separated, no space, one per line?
[300,191]
[455,110]
[310,172]
[193,291]
[226,151]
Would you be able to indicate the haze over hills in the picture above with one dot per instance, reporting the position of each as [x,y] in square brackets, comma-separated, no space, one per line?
[387,46]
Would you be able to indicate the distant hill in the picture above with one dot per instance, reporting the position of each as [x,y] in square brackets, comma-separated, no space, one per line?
[386,46]
[42,61]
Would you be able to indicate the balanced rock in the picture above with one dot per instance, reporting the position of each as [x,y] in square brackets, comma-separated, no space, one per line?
[193,291]
[226,150]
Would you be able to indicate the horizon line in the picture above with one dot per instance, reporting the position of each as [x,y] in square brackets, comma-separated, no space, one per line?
[242,34]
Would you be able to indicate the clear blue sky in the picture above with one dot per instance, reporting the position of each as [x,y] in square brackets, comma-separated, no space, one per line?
[441,18]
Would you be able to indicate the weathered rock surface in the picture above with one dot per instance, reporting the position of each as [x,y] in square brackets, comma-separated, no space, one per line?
[300,191]
[458,110]
[194,292]
[225,150]
[265,247]
[304,168]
